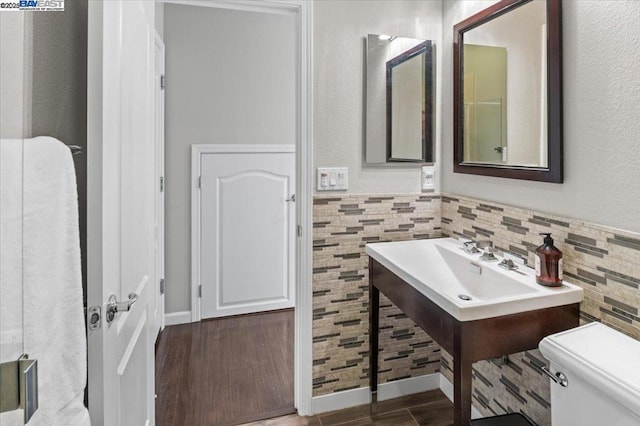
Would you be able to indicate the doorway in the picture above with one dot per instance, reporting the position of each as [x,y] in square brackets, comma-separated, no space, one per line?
[248,106]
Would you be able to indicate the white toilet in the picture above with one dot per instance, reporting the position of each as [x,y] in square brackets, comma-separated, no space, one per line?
[602,371]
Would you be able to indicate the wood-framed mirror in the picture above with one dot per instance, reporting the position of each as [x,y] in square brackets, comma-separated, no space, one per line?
[508,91]
[399,94]
[409,104]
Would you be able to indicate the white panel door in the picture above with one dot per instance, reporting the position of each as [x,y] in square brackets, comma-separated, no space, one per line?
[247,254]
[121,190]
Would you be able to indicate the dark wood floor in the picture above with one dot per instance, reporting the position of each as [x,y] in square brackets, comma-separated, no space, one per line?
[226,371]
[237,370]
[428,408]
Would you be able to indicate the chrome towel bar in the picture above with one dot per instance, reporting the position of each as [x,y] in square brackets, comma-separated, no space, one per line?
[75,149]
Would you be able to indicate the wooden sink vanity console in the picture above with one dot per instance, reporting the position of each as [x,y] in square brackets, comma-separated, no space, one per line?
[466,341]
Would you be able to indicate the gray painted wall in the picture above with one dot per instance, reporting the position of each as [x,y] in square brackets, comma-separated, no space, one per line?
[230,80]
[15,74]
[339,57]
[601,129]
[43,66]
[59,103]
[159,19]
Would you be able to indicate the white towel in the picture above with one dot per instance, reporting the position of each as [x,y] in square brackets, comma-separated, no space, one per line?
[10,249]
[54,330]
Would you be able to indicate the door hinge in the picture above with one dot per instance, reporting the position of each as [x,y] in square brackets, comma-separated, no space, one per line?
[299,231]
[19,386]
[199,181]
[200,290]
[163,82]
[161,183]
[161,285]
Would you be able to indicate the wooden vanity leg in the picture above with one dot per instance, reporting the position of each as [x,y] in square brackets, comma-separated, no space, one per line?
[461,380]
[374,308]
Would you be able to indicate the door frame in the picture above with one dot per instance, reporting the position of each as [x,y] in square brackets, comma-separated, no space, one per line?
[303,341]
[160,172]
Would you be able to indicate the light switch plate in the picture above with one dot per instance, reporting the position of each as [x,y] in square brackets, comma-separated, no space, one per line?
[332,179]
[428,177]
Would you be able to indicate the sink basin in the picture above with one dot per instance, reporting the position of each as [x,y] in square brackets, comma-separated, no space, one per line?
[464,286]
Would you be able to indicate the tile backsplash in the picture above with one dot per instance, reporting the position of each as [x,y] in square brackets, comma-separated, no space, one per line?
[605,262]
[602,260]
[342,227]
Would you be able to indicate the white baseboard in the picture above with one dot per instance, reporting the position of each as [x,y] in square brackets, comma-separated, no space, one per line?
[361,396]
[340,400]
[447,389]
[409,386]
[176,318]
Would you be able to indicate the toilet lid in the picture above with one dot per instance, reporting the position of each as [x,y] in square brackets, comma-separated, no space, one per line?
[604,357]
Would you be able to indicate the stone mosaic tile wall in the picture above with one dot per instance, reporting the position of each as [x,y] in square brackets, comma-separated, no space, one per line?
[342,227]
[604,261]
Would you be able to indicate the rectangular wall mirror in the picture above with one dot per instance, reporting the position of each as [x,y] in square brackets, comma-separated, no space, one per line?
[399,100]
[508,92]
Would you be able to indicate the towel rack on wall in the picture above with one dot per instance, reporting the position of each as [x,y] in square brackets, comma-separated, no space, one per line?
[75,149]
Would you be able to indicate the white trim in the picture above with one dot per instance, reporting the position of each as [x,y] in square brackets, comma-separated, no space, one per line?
[242,149]
[362,396]
[195,233]
[273,6]
[447,389]
[408,386]
[303,340]
[159,147]
[177,318]
[340,400]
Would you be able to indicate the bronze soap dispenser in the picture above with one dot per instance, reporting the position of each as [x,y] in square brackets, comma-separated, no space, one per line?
[548,263]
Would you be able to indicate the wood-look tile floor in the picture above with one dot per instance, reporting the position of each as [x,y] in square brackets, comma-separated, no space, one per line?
[428,408]
[235,370]
[225,371]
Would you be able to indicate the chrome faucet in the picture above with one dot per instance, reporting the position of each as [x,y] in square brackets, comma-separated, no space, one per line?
[470,247]
[508,264]
[488,253]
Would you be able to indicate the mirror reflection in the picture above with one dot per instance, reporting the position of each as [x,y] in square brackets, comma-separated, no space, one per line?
[398,100]
[504,89]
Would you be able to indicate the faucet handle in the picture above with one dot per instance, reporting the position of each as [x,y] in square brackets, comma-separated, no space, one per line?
[508,264]
[488,255]
[470,247]
[515,259]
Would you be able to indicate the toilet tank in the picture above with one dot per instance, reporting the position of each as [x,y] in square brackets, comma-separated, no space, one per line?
[602,367]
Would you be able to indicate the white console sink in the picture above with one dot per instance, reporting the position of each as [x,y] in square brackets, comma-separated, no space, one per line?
[442,271]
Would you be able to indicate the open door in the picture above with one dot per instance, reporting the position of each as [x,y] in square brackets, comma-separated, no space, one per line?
[122,188]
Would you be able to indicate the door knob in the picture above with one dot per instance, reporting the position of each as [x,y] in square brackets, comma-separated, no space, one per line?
[291,199]
[113,306]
